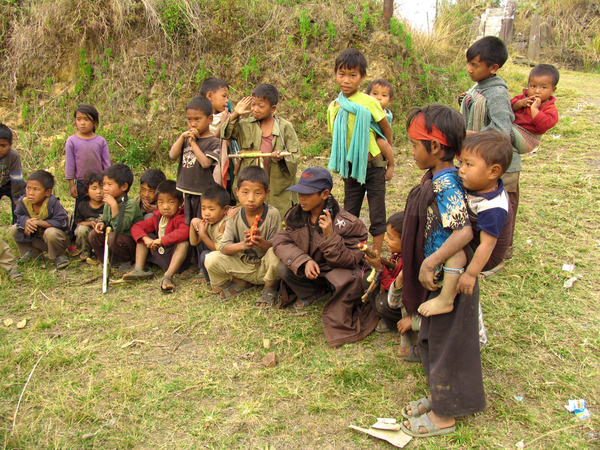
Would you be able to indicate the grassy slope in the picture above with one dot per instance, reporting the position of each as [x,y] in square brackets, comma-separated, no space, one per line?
[196,380]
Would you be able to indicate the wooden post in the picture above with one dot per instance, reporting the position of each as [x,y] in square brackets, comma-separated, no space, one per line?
[508,22]
[388,11]
[533,52]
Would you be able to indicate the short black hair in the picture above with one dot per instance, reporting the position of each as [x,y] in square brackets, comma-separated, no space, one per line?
[169,187]
[212,85]
[254,174]
[380,82]
[218,194]
[448,121]
[268,92]
[494,147]
[491,50]
[396,221]
[91,178]
[45,178]
[6,133]
[89,111]
[153,177]
[545,69]
[351,59]
[121,173]
[201,104]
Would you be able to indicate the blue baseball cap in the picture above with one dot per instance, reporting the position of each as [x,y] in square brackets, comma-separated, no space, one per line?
[313,180]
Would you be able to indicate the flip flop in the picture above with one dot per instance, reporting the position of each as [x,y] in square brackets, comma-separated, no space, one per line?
[414,406]
[307,303]
[413,356]
[492,272]
[382,327]
[189,273]
[123,269]
[169,290]
[425,422]
[230,289]
[137,275]
[14,275]
[268,297]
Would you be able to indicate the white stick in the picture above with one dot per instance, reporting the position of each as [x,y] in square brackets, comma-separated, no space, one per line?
[22,392]
[105,267]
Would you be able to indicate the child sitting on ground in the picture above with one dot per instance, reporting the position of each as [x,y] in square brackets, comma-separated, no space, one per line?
[89,212]
[383,91]
[484,158]
[120,214]
[535,109]
[9,263]
[42,222]
[206,232]
[319,254]
[146,199]
[246,255]
[264,132]
[347,119]
[11,172]
[162,239]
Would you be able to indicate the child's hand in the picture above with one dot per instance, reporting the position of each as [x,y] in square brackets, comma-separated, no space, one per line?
[198,224]
[30,227]
[326,223]
[247,243]
[404,325]
[466,282]
[311,270]
[147,242]
[99,227]
[73,190]
[398,282]
[375,263]
[537,102]
[389,172]
[110,200]
[275,156]
[155,244]
[426,276]
[147,206]
[243,106]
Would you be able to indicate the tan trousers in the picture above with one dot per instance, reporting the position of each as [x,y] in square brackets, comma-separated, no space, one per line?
[81,237]
[53,241]
[7,258]
[222,268]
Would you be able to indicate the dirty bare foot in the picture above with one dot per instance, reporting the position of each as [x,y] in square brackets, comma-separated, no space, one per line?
[436,306]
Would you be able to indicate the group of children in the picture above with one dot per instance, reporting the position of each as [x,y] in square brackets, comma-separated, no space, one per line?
[457,224]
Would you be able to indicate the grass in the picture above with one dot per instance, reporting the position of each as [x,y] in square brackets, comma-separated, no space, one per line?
[194,377]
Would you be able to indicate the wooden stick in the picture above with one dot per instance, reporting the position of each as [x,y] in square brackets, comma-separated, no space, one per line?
[371,254]
[186,336]
[105,267]
[22,392]
[257,155]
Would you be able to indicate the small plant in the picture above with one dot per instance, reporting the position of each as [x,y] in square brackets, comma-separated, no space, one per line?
[201,74]
[331,33]
[48,84]
[250,69]
[305,28]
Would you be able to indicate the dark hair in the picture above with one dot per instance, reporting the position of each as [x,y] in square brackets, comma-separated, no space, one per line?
[491,50]
[218,194]
[448,121]
[396,221]
[89,111]
[201,104]
[351,59]
[90,179]
[153,177]
[169,187]
[212,85]
[6,133]
[254,174]
[46,179]
[494,147]
[268,92]
[545,69]
[383,83]
[121,173]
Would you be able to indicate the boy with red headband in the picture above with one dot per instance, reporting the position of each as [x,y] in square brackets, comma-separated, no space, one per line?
[436,226]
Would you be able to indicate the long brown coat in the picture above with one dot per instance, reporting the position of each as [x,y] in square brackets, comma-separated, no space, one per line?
[346,318]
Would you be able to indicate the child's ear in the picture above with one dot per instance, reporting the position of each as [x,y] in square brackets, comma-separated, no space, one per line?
[495,171]
[124,187]
[225,210]
[48,192]
[553,90]
[267,195]
[273,109]
[494,68]
[435,147]
[210,118]
[209,95]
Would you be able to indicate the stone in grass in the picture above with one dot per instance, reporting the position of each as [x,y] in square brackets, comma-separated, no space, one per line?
[270,360]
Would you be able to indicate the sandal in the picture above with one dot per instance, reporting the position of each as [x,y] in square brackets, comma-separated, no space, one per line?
[167,290]
[31,256]
[397,339]
[189,273]
[62,262]
[123,269]
[425,422]
[413,354]
[137,275]
[230,289]
[84,255]
[268,297]
[382,327]
[14,275]
[490,273]
[414,406]
[303,303]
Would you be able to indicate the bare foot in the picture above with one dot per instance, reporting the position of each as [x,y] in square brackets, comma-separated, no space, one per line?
[436,306]
[438,421]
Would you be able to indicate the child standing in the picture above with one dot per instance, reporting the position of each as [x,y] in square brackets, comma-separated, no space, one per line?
[352,119]
[198,151]
[436,226]
[246,255]
[162,239]
[146,200]
[535,109]
[42,222]
[264,132]
[9,263]
[11,172]
[89,212]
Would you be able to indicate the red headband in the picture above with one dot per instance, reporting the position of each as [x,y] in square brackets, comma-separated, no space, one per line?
[418,130]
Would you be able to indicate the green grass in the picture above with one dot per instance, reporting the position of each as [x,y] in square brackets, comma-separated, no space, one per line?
[207,388]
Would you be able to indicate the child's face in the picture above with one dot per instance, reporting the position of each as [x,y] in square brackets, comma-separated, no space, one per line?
[84,123]
[381,93]
[393,239]
[147,194]
[475,174]
[95,192]
[423,158]
[310,202]
[219,99]
[261,109]
[168,205]
[198,120]
[252,195]
[349,80]
[36,193]
[212,211]
[4,147]
[111,187]
[541,87]
[479,70]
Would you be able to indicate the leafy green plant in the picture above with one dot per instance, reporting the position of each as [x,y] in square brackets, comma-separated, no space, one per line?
[331,33]
[305,28]
[202,73]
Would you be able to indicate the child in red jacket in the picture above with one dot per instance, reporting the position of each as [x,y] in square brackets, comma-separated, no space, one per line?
[163,238]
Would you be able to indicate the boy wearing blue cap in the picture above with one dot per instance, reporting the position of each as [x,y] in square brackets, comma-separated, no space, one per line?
[320,258]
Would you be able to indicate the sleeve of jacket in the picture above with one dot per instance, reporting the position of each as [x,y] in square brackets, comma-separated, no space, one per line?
[142,228]
[291,143]
[516,98]
[105,155]
[69,160]
[230,129]
[500,111]
[58,216]
[288,252]
[341,250]
[21,215]
[545,119]
[180,233]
